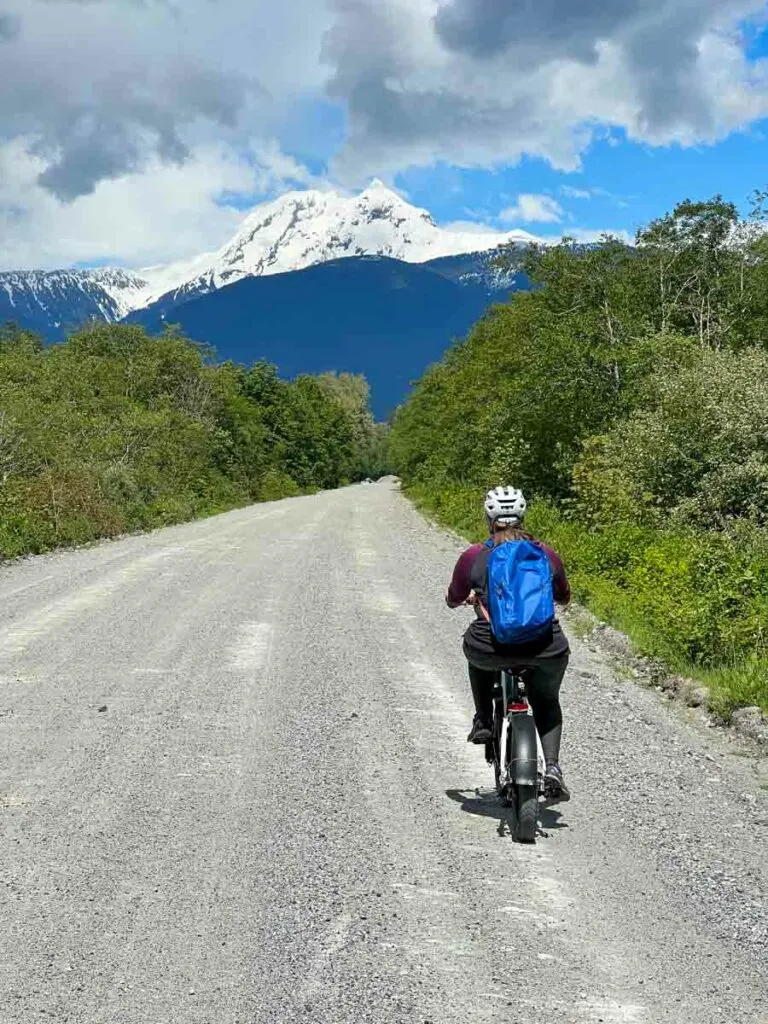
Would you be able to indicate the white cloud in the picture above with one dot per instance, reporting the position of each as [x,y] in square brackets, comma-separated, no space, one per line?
[531,208]
[484,82]
[158,104]
[101,88]
[576,193]
[159,214]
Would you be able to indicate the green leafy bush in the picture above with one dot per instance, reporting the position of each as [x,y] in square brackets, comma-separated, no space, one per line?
[115,430]
[695,453]
[628,393]
[276,484]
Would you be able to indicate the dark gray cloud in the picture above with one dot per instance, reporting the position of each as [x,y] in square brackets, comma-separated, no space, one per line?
[537,29]
[664,62]
[486,81]
[93,148]
[112,133]
[659,40]
[95,89]
[100,88]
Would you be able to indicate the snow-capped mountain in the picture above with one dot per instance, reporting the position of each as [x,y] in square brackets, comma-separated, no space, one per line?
[50,301]
[296,231]
[301,229]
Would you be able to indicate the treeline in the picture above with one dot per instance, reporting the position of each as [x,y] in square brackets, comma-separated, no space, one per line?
[115,431]
[627,393]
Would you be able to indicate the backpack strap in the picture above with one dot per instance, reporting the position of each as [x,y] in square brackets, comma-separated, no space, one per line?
[488,544]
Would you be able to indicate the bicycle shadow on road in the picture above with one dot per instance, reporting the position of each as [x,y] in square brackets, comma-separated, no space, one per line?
[485,803]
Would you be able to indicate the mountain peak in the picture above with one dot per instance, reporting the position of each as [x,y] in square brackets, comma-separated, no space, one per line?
[303,228]
[376,187]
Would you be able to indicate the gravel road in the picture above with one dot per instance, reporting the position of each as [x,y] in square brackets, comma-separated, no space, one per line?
[236,790]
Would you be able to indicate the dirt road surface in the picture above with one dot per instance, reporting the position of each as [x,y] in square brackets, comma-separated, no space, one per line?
[236,789]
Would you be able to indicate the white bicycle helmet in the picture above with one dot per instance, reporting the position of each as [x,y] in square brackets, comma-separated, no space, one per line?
[505,506]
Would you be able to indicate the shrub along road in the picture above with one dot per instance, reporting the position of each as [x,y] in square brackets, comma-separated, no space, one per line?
[236,788]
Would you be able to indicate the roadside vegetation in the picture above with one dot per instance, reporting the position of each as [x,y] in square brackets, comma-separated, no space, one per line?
[628,394]
[116,431]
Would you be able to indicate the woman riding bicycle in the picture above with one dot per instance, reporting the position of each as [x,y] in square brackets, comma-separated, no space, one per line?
[546,657]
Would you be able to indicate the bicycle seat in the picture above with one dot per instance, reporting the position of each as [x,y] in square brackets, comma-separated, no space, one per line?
[520,671]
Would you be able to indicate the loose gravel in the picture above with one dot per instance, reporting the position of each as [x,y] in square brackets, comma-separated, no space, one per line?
[236,788]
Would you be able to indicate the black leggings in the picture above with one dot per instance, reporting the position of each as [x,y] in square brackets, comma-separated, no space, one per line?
[543,688]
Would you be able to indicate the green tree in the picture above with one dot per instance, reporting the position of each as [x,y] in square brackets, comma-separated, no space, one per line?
[627,394]
[116,430]
[695,453]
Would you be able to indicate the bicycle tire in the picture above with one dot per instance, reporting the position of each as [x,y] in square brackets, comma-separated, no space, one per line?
[527,808]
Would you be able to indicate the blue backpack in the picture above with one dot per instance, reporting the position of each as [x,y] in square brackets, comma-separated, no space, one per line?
[521,603]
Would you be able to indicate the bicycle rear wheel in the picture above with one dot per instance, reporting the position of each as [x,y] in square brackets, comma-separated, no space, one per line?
[527,810]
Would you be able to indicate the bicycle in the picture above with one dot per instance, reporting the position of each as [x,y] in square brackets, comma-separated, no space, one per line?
[515,752]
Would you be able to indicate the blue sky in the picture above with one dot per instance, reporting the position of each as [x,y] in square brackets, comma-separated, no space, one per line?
[621,184]
[145,138]
[629,183]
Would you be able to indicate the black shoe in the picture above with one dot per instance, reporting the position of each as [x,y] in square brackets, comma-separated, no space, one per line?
[481,731]
[555,789]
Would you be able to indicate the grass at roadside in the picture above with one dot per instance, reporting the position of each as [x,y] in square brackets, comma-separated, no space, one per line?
[697,601]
